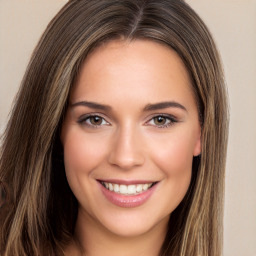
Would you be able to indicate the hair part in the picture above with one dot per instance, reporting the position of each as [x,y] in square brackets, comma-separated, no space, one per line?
[42,210]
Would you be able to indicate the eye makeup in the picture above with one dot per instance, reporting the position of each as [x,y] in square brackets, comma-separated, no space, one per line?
[95,120]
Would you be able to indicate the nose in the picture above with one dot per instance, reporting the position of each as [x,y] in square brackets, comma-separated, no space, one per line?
[126,151]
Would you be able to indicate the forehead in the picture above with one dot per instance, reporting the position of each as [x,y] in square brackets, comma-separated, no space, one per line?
[132,69]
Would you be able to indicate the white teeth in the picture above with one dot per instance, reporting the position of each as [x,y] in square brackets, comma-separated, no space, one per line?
[139,188]
[110,186]
[145,186]
[123,189]
[116,187]
[131,189]
[127,189]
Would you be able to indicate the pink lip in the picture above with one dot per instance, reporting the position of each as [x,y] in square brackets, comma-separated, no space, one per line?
[127,201]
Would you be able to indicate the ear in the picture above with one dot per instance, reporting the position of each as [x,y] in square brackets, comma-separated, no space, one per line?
[197,147]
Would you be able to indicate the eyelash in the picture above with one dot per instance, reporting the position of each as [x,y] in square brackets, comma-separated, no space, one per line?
[82,120]
[169,118]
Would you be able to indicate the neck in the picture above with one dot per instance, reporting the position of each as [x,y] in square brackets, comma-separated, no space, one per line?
[91,239]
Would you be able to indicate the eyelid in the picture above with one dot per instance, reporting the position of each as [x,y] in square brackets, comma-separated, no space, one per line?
[83,118]
[172,120]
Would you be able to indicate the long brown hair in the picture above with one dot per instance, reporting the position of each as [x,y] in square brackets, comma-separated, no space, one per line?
[40,211]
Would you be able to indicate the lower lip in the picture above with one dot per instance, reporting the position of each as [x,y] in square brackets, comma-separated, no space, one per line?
[127,201]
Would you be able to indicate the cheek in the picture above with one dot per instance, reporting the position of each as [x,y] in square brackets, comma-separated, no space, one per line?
[174,156]
[174,159]
[82,154]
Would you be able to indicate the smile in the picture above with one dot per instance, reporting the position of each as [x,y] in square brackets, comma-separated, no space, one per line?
[127,195]
[129,190]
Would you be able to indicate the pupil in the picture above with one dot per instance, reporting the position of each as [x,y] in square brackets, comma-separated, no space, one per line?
[160,120]
[96,120]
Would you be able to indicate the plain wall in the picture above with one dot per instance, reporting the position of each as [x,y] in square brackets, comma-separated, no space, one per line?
[233,24]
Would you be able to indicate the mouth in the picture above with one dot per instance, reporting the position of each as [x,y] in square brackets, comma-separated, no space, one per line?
[127,194]
[127,190]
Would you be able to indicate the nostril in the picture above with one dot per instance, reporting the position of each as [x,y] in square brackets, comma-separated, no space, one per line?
[126,162]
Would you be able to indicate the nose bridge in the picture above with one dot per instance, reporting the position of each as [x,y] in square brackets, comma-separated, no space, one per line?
[127,148]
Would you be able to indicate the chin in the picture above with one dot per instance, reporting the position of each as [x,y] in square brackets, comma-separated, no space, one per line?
[133,223]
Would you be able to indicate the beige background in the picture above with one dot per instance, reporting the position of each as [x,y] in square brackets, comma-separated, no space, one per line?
[233,24]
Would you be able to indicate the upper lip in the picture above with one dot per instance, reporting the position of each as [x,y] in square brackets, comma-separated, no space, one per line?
[127,182]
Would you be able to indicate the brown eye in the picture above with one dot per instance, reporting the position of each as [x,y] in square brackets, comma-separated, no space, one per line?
[160,120]
[93,121]
[96,120]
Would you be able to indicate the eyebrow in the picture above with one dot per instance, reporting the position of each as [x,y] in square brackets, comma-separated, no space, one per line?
[93,105]
[148,107]
[163,105]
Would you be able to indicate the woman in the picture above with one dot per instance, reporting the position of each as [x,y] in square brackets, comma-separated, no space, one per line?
[117,142]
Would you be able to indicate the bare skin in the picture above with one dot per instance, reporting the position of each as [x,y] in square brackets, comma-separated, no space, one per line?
[132,119]
[112,245]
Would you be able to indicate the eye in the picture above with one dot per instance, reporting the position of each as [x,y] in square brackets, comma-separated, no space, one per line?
[162,121]
[93,120]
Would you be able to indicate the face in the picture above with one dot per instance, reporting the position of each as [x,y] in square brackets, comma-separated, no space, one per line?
[129,136]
